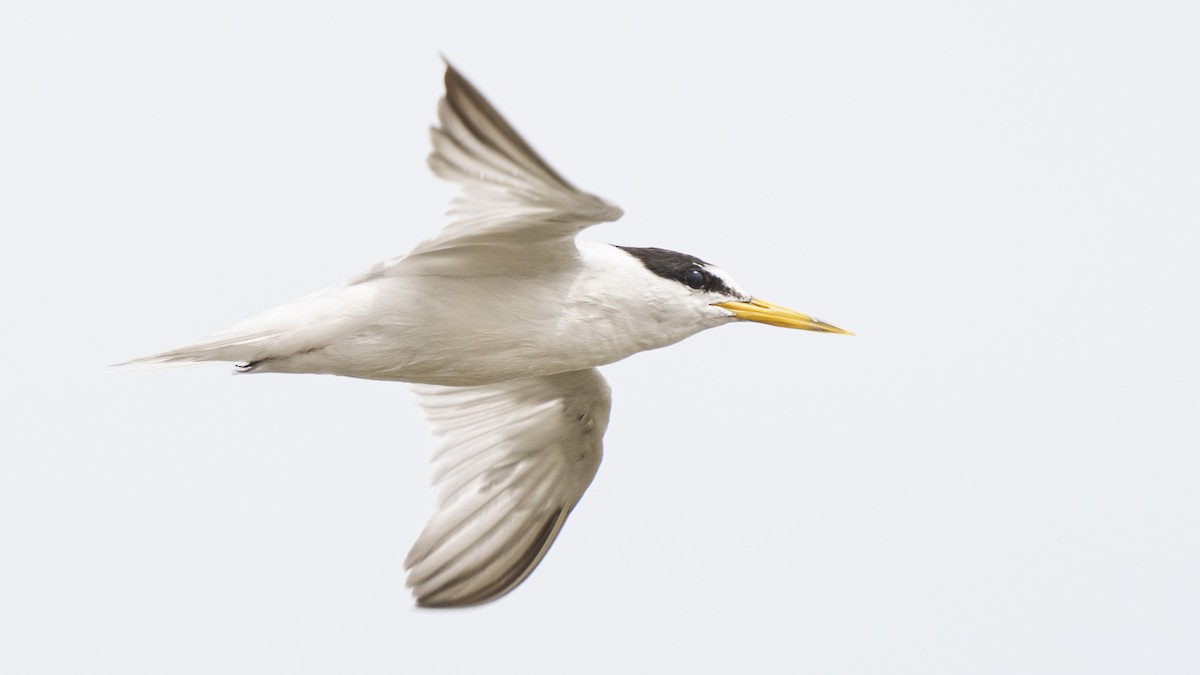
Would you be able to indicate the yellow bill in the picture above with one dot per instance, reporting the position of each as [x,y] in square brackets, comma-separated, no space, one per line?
[776,315]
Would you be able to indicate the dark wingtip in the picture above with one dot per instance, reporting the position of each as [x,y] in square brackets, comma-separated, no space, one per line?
[453,78]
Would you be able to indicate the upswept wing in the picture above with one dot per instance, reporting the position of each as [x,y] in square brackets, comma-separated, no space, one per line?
[512,210]
[508,194]
[515,458]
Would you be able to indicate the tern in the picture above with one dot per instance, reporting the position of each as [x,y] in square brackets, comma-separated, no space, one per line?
[499,321]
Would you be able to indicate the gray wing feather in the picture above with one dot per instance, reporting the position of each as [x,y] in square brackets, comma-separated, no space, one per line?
[508,194]
[515,458]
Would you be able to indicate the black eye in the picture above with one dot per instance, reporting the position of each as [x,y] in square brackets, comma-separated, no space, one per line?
[695,278]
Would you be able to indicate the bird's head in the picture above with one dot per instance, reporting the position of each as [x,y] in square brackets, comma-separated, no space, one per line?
[712,289]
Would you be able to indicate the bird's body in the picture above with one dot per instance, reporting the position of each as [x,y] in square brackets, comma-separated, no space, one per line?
[500,319]
[399,321]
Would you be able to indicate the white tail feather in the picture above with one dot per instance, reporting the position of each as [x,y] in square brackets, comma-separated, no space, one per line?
[239,348]
[305,324]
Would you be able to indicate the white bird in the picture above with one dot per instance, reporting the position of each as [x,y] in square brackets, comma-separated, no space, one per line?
[500,319]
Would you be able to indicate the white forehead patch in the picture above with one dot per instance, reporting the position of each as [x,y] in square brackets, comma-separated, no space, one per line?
[727,280]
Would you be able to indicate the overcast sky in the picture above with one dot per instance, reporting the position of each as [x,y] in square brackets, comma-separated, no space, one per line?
[998,474]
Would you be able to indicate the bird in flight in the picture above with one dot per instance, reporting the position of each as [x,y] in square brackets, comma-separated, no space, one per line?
[499,320]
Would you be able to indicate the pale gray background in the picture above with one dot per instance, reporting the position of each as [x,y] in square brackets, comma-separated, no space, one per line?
[998,475]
